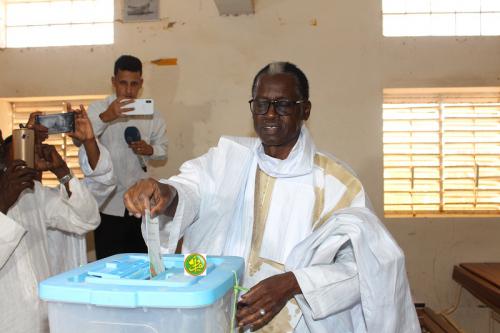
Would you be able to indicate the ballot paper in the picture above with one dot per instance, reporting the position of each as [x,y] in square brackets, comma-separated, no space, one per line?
[156,265]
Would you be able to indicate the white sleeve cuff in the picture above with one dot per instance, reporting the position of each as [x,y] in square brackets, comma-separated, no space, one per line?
[104,165]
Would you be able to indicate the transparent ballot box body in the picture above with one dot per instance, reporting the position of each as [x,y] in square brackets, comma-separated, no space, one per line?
[116,295]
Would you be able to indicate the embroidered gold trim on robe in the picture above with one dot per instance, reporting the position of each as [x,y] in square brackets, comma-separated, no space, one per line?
[352,184]
[264,185]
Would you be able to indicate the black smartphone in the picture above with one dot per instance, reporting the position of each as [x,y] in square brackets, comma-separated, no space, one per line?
[57,123]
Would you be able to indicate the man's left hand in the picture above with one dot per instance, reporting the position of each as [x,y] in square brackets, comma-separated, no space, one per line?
[83,127]
[265,300]
[41,132]
[141,148]
[48,159]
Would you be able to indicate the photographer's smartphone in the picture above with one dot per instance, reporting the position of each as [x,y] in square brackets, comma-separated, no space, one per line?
[142,107]
[57,123]
[23,144]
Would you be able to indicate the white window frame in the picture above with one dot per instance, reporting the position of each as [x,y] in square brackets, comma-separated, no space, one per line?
[427,172]
[414,18]
[46,23]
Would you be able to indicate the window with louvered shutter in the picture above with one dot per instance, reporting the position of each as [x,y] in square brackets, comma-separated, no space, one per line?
[63,143]
[441,154]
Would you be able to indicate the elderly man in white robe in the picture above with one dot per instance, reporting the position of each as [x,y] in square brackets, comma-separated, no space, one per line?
[317,259]
[42,229]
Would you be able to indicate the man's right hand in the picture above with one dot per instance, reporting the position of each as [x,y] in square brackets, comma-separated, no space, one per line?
[13,182]
[149,194]
[116,109]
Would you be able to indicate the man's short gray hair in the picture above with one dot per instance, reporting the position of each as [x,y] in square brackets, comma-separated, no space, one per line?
[283,67]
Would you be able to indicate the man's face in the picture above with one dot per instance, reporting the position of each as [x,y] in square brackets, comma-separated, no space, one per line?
[279,133]
[127,84]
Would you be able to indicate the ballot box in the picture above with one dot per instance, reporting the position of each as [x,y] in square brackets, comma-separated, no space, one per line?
[117,295]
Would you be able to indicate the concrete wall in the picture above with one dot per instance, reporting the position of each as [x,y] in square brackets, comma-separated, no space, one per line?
[339,45]
[5,118]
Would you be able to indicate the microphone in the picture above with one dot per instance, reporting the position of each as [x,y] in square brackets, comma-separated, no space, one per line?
[132,134]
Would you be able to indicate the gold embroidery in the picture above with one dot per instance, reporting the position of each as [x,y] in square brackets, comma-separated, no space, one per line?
[319,203]
[264,185]
[352,184]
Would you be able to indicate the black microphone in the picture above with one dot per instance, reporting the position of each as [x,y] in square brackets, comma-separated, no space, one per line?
[132,134]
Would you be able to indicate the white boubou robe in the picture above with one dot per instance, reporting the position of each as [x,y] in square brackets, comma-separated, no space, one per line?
[29,255]
[215,215]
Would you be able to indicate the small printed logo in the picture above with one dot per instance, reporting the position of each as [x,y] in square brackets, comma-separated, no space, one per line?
[195,264]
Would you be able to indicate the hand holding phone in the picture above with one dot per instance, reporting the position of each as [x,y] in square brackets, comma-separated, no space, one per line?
[140,106]
[116,110]
[57,123]
[41,132]
[83,127]
[48,159]
[23,145]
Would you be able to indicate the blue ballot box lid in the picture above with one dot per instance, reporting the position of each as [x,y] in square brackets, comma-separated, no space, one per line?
[123,280]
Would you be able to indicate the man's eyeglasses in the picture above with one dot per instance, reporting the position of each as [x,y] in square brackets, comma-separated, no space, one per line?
[282,107]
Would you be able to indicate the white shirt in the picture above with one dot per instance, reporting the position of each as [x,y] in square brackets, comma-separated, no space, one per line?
[27,254]
[127,165]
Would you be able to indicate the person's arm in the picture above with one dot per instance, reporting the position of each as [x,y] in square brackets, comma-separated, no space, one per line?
[77,214]
[93,152]
[192,186]
[331,288]
[100,180]
[116,109]
[74,209]
[327,289]
[94,110]
[13,181]
[11,234]
[84,133]
[48,159]
[165,196]
[101,113]
[159,198]
[265,300]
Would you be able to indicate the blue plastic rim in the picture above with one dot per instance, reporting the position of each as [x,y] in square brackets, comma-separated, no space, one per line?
[123,280]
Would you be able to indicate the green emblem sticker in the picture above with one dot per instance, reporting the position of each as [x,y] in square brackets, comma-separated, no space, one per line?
[195,264]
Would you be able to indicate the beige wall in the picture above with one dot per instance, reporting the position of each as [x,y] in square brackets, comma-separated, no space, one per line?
[5,118]
[348,63]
